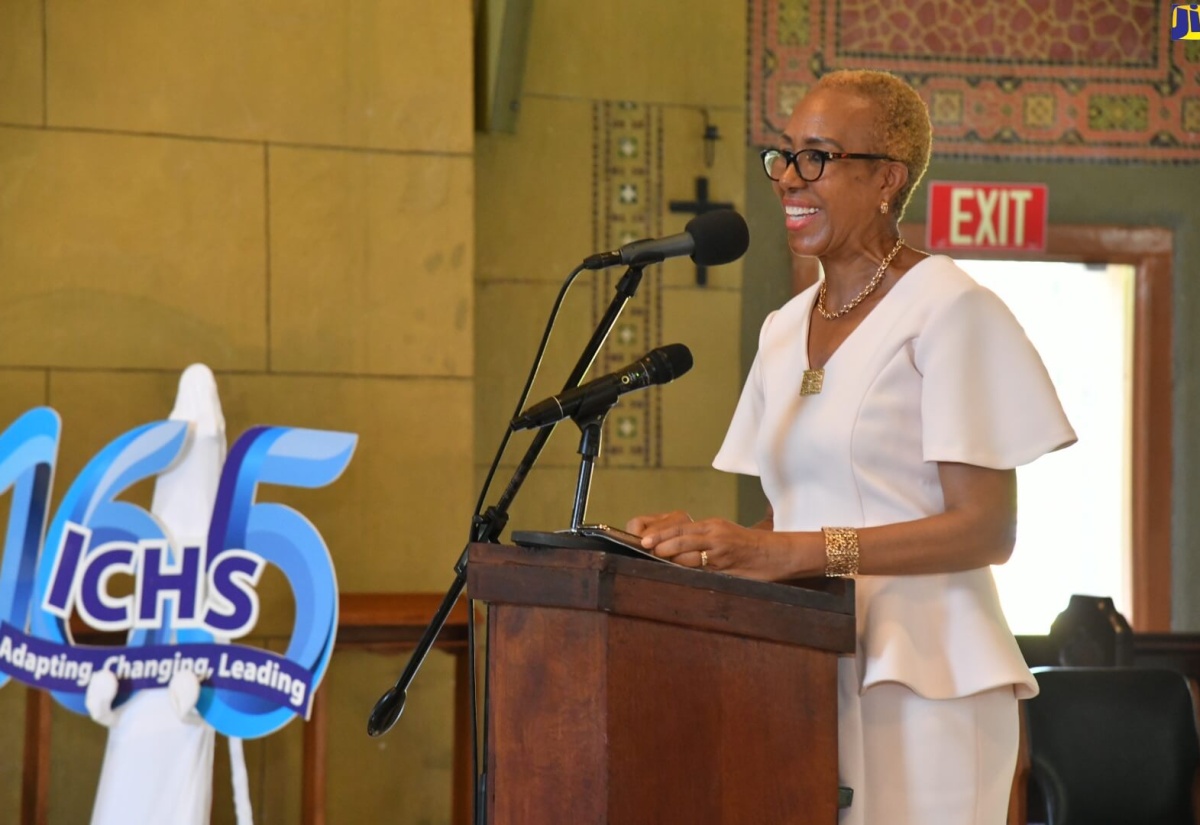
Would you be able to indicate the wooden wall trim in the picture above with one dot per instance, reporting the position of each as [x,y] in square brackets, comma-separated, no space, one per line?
[35,772]
[389,622]
[1152,450]
[378,622]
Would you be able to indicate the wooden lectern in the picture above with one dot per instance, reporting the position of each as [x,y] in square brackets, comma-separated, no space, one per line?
[629,691]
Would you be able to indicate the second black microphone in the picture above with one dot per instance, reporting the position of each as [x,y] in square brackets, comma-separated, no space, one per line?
[658,366]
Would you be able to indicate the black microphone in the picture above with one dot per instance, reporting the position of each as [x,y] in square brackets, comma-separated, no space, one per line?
[656,367]
[712,239]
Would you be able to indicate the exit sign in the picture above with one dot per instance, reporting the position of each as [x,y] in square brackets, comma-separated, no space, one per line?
[986,217]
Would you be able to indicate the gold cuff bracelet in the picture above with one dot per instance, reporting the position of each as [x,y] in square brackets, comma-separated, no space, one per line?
[841,551]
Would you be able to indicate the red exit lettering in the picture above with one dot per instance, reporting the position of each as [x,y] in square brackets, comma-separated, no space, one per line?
[986,216]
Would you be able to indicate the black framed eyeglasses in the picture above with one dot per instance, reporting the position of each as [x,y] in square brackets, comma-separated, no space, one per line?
[808,163]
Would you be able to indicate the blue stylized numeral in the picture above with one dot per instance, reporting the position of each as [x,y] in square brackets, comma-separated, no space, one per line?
[91,503]
[28,450]
[285,538]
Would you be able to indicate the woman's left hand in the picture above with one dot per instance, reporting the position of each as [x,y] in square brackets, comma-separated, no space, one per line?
[716,544]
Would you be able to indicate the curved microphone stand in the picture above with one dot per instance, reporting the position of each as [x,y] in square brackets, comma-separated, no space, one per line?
[486,528]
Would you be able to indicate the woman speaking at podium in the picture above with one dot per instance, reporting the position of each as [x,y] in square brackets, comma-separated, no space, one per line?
[885,413]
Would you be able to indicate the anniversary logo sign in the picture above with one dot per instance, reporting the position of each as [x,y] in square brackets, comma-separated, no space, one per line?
[189,604]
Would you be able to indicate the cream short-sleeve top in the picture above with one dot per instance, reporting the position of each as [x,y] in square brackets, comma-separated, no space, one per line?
[939,371]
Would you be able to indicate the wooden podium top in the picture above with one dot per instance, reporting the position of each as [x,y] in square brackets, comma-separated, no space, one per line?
[816,613]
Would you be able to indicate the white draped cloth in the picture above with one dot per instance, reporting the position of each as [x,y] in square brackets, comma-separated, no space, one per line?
[158,762]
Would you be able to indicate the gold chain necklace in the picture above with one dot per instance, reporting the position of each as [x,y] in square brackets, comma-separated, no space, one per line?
[812,382]
[866,290]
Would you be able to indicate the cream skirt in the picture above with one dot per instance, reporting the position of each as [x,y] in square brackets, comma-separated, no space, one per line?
[915,761]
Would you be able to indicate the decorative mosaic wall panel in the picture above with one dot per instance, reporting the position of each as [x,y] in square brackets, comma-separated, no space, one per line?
[627,205]
[1060,79]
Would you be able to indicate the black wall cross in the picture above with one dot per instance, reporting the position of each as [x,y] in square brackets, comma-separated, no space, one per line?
[698,207]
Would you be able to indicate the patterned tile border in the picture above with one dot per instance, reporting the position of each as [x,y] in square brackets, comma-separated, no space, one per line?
[1046,79]
[628,205]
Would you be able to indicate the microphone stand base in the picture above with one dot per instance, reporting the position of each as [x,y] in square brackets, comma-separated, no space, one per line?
[539,540]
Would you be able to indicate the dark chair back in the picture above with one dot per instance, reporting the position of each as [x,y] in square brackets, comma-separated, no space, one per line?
[1091,632]
[1114,746]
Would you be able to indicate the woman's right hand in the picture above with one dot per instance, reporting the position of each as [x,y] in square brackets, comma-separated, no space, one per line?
[640,525]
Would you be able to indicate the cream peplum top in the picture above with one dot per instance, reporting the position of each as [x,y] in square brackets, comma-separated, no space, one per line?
[940,370]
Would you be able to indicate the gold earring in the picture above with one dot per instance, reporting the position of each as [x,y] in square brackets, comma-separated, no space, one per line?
[883,207]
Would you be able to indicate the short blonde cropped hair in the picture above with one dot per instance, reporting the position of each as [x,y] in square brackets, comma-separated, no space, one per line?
[902,127]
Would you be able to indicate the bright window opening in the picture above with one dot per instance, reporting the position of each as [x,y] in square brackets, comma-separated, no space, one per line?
[1073,523]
